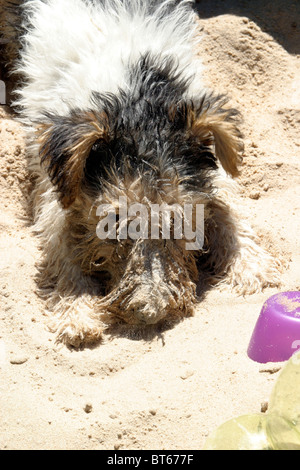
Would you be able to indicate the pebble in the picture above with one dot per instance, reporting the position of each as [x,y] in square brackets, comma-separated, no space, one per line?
[271,368]
[264,406]
[18,360]
[254,195]
[88,408]
[18,150]
[186,374]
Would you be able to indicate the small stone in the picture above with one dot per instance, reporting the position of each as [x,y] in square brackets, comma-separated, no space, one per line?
[270,368]
[18,360]
[264,406]
[88,408]
[254,195]
[18,150]
[152,412]
[186,374]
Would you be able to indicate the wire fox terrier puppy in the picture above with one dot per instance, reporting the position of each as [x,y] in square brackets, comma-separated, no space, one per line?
[116,117]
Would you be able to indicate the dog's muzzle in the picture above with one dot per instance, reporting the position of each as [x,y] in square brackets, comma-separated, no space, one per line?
[143,296]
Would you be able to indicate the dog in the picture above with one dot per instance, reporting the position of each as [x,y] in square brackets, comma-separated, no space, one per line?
[111,97]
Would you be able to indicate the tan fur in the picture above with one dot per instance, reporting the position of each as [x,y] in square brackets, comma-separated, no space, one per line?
[78,152]
[149,281]
[137,270]
[235,253]
[216,122]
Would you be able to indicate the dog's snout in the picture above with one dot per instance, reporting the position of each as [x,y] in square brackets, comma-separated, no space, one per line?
[152,299]
[148,313]
[148,291]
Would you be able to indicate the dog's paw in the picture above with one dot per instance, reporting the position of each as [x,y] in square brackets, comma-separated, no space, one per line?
[253,270]
[74,321]
[78,334]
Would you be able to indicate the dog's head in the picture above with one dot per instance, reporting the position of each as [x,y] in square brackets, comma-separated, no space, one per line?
[147,146]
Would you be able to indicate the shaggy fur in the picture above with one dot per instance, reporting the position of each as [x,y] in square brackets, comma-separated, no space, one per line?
[113,106]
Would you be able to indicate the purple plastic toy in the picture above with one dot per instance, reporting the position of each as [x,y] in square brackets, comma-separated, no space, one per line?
[276,336]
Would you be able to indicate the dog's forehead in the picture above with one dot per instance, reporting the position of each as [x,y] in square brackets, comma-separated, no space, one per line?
[155,89]
[149,135]
[139,129]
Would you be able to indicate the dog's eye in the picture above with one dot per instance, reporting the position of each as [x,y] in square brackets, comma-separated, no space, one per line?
[97,146]
[96,163]
[99,151]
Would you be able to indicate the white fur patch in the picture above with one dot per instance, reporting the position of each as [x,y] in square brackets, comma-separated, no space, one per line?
[73,47]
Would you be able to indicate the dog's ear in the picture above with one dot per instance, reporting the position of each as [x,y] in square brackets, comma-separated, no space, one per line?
[212,123]
[65,144]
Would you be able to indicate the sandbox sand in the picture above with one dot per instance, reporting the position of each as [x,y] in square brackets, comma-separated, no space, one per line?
[171,391]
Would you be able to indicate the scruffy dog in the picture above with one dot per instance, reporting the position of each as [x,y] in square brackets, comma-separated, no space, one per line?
[111,98]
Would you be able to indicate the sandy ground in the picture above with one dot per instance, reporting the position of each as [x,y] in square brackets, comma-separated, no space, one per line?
[171,391]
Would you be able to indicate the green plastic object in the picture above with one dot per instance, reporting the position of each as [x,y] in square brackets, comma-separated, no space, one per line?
[278,429]
[245,433]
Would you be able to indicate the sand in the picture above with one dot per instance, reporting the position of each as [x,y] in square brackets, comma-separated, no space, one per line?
[171,391]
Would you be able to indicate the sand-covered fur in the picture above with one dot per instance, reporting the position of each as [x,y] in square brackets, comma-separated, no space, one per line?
[114,108]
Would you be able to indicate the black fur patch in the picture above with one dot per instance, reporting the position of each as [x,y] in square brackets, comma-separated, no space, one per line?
[54,151]
[150,128]
[148,133]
